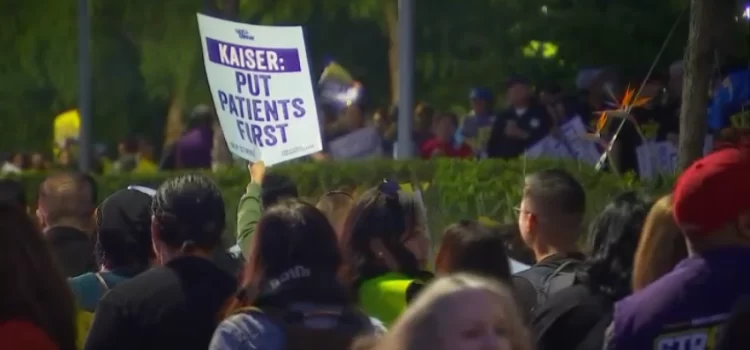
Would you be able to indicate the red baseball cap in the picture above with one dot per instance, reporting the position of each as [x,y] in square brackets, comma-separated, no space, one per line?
[713,191]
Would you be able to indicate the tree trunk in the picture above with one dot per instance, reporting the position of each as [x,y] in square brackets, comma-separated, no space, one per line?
[697,78]
[221,158]
[390,9]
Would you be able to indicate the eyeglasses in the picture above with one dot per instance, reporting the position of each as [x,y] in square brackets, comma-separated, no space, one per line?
[520,211]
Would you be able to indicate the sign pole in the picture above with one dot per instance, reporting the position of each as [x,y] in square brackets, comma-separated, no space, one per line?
[84,87]
[405,78]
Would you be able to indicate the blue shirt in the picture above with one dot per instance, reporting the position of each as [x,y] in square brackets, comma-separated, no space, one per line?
[729,101]
[685,308]
[88,289]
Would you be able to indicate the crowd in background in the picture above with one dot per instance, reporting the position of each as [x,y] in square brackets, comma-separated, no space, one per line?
[493,128]
[145,268]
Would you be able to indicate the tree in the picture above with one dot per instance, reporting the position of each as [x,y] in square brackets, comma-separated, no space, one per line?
[708,37]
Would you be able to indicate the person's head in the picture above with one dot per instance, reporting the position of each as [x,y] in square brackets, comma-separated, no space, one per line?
[519,91]
[19,160]
[145,149]
[188,217]
[481,100]
[128,146]
[292,236]
[202,116]
[660,247]
[445,126]
[34,288]
[460,311]
[514,244]
[551,210]
[550,94]
[612,240]
[424,115]
[384,232]
[654,85]
[335,205]
[276,187]
[711,200]
[468,246]
[13,192]
[38,162]
[66,199]
[353,117]
[123,230]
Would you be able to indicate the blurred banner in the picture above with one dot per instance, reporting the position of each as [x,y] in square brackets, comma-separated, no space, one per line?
[337,88]
[66,128]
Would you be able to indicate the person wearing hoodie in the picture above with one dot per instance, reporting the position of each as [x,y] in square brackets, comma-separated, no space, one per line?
[179,304]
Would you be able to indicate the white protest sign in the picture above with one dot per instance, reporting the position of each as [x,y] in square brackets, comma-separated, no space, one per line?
[570,143]
[261,87]
[661,157]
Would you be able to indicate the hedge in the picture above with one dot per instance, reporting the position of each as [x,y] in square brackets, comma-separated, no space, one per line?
[457,189]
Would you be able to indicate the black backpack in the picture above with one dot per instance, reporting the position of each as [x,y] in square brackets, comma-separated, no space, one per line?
[552,277]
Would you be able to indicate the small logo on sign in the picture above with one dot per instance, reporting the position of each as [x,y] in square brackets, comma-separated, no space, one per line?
[244,34]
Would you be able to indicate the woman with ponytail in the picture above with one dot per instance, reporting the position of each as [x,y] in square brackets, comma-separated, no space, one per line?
[387,247]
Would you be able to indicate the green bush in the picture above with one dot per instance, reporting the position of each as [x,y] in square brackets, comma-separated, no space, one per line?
[458,189]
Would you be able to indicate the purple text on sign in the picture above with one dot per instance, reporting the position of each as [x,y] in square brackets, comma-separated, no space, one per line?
[253,59]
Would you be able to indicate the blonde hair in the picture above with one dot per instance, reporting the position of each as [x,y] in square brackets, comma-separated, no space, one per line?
[418,327]
[660,247]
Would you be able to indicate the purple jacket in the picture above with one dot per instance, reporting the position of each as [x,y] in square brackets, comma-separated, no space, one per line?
[685,309]
[193,149]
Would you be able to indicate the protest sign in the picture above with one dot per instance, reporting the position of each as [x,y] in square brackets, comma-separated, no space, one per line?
[656,158]
[570,142]
[260,83]
[337,88]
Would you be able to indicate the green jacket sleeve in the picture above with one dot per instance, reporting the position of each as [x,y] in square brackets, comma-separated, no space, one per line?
[248,214]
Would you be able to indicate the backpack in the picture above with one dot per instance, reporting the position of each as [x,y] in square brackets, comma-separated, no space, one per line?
[351,324]
[84,318]
[553,277]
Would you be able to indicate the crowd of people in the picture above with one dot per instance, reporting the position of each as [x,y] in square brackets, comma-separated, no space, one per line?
[145,268]
[530,111]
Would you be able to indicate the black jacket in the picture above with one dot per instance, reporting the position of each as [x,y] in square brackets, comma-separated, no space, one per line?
[533,121]
[176,306]
[73,248]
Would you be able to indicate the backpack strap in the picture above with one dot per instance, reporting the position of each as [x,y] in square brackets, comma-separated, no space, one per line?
[102,282]
[550,278]
[560,278]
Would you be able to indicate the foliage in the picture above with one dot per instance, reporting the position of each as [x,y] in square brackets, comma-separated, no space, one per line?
[457,189]
[146,52]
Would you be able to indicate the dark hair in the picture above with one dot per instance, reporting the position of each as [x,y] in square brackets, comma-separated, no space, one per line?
[67,195]
[558,192]
[514,244]
[276,187]
[386,213]
[468,246]
[450,116]
[91,181]
[12,191]
[189,211]
[293,233]
[613,239]
[550,87]
[130,144]
[34,289]
[123,232]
